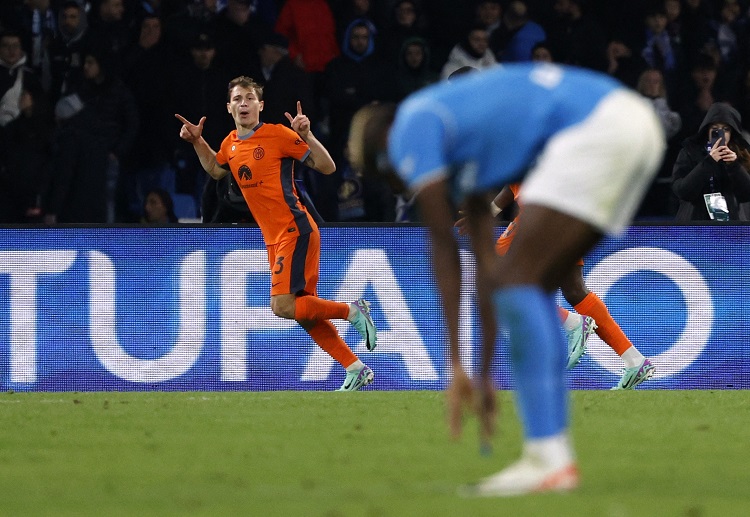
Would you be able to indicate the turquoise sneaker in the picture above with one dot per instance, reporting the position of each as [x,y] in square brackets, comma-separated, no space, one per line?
[632,377]
[577,339]
[364,325]
[357,379]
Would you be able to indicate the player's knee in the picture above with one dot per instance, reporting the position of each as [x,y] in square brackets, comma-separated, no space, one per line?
[283,307]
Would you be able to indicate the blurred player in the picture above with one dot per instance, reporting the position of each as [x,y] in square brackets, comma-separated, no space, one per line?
[587,149]
[261,159]
[596,316]
[574,290]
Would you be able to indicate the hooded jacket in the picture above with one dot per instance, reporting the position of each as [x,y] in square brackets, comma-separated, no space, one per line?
[696,173]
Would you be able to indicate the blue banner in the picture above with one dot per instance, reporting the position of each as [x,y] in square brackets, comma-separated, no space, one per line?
[187,308]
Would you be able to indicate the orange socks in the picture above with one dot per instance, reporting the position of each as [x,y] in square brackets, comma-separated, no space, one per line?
[312,308]
[608,329]
[326,337]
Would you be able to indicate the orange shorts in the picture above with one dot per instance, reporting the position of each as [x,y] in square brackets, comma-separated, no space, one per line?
[295,264]
[503,242]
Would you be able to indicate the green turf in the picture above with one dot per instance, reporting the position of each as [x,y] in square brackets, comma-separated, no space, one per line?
[642,453]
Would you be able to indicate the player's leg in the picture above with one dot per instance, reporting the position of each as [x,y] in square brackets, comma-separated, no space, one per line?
[577,328]
[580,328]
[637,367]
[589,180]
[295,266]
[546,245]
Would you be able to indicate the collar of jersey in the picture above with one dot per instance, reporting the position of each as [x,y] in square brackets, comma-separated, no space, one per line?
[251,133]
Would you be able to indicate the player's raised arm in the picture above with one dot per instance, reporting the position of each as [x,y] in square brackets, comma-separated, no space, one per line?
[193,133]
[319,159]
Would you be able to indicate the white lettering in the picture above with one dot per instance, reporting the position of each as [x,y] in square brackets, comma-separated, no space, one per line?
[371,267]
[23,268]
[237,317]
[103,324]
[698,304]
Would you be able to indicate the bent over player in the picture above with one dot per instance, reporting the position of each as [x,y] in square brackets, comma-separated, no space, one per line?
[586,148]
[261,158]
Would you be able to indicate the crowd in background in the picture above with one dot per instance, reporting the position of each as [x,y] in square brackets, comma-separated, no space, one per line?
[88,89]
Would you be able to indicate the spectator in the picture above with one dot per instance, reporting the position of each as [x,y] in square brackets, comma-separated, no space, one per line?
[310,28]
[576,36]
[352,80]
[237,34]
[699,93]
[414,70]
[651,85]
[182,27]
[473,50]
[661,51]
[76,192]
[406,21]
[114,116]
[36,23]
[158,208]
[67,50]
[284,82]
[659,201]
[517,34]
[146,66]
[623,63]
[696,19]
[15,76]
[542,52]
[710,176]
[207,81]
[24,172]
[346,11]
[110,31]
[487,13]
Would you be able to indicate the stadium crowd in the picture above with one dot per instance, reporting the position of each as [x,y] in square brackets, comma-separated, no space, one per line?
[89,88]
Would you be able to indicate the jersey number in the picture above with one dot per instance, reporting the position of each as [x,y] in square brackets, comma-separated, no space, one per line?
[280,263]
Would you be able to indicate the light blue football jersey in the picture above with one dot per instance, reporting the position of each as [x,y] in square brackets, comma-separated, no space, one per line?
[483,130]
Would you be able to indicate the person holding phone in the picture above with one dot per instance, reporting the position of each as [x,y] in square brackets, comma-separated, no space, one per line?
[710,176]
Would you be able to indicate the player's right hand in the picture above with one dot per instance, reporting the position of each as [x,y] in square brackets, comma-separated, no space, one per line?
[190,132]
[461,224]
[459,396]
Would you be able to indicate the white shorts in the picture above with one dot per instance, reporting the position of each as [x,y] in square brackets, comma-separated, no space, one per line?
[599,170]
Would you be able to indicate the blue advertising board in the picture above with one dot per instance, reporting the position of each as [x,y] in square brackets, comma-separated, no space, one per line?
[187,308]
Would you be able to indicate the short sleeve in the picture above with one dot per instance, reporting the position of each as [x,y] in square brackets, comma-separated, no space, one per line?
[416,146]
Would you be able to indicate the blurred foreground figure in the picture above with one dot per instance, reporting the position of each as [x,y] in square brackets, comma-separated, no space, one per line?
[586,149]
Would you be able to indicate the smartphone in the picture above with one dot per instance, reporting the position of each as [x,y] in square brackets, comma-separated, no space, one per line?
[717,134]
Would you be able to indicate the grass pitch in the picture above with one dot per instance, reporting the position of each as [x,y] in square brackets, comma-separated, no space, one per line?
[370,454]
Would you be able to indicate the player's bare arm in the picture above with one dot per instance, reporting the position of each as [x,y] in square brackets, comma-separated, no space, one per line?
[193,133]
[436,209]
[319,158]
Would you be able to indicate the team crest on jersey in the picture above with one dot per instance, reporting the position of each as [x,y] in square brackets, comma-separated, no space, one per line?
[245,173]
[298,141]
[258,153]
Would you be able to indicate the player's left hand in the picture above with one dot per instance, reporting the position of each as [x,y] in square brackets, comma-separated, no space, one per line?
[300,123]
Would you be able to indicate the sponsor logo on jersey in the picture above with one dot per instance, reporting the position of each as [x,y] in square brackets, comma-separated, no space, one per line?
[245,173]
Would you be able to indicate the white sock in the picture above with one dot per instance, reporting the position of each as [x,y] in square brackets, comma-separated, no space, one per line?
[632,357]
[352,312]
[553,451]
[572,321]
[355,366]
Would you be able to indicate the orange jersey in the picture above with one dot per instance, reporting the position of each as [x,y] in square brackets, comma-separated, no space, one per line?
[262,163]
